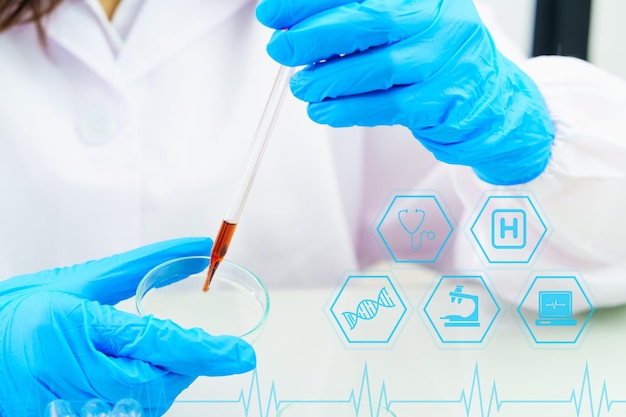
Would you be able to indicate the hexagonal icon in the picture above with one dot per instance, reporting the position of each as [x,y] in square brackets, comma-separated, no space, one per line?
[415,228]
[508,229]
[461,309]
[555,309]
[368,309]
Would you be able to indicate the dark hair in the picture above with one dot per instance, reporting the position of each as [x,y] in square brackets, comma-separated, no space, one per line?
[15,12]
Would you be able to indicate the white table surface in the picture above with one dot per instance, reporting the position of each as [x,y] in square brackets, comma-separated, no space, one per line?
[303,357]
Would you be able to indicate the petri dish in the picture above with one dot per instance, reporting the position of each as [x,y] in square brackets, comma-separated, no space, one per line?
[236,304]
[335,409]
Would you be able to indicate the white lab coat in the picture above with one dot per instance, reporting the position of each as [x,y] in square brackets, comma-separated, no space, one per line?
[105,148]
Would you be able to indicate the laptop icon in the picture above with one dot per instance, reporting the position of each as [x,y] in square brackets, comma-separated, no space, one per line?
[555,309]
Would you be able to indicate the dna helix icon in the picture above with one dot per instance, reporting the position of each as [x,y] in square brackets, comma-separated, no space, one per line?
[367,309]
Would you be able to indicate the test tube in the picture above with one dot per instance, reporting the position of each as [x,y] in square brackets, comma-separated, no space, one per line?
[247,176]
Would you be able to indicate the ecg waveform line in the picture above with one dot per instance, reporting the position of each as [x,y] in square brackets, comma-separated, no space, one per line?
[363,397]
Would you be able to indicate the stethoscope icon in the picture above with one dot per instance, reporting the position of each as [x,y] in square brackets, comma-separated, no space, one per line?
[415,219]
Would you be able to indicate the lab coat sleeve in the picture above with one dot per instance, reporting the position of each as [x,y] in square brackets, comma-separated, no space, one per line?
[582,192]
[584,185]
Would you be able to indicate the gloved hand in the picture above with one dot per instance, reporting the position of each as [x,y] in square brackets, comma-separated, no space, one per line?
[429,65]
[61,337]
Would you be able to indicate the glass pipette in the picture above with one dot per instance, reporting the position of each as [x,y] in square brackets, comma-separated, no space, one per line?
[246,178]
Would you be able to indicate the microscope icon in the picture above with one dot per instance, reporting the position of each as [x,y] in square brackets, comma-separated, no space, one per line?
[455,320]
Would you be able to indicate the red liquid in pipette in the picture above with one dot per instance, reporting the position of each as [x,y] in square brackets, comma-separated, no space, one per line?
[220,247]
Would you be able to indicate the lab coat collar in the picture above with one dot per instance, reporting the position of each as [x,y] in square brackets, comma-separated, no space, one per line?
[74,27]
[162,28]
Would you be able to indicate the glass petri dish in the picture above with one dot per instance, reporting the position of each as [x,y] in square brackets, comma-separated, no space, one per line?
[236,304]
[347,409]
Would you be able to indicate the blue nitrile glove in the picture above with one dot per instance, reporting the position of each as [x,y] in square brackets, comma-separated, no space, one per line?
[429,65]
[62,339]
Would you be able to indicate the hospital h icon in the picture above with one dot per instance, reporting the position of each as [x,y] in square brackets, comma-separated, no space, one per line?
[513,228]
[508,228]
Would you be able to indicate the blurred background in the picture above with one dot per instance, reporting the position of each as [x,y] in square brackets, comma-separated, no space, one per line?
[588,29]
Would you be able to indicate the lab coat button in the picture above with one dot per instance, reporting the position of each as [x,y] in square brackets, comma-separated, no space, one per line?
[97,127]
